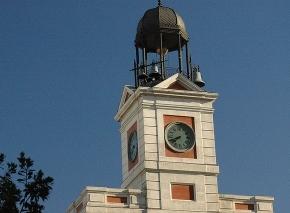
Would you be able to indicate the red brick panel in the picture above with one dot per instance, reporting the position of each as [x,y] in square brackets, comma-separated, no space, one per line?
[190,122]
[182,192]
[174,118]
[117,199]
[245,206]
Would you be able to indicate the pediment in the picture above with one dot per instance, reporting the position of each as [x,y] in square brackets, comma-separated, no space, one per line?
[179,82]
[128,91]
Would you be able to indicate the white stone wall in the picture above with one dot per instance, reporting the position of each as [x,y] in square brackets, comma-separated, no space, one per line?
[262,204]
[132,116]
[153,193]
[147,185]
[93,200]
[154,170]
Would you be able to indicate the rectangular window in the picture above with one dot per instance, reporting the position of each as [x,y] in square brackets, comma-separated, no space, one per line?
[182,192]
[117,199]
[244,206]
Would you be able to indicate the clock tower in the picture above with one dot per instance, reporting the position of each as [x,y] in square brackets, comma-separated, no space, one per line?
[175,165]
[167,133]
[170,117]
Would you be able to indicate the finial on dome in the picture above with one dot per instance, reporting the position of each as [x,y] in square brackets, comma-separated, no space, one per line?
[159,3]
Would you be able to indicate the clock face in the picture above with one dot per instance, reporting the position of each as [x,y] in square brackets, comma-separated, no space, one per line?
[179,137]
[133,146]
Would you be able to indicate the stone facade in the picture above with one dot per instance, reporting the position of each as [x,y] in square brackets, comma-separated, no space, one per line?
[147,185]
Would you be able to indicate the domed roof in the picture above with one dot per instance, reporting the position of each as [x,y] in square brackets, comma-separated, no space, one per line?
[160,20]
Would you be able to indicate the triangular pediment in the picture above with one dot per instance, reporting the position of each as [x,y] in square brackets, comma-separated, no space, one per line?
[179,82]
[177,85]
[128,91]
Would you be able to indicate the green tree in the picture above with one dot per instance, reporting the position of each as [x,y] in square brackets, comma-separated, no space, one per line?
[22,189]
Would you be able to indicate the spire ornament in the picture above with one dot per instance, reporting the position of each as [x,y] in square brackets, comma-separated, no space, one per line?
[159,3]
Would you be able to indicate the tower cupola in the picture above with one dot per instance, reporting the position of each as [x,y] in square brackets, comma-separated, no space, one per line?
[161,21]
[160,32]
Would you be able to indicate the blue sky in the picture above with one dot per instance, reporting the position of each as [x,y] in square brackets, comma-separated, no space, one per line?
[63,64]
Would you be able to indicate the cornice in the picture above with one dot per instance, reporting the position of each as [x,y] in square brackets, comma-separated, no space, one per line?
[245,197]
[177,107]
[177,93]
[161,92]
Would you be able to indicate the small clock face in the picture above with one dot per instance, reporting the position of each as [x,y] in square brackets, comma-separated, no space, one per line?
[133,146]
[179,137]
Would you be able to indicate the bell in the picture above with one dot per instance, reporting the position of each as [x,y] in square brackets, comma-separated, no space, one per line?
[197,79]
[154,72]
[149,80]
[142,75]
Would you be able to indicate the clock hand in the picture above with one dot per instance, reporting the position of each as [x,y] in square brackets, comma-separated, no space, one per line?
[176,138]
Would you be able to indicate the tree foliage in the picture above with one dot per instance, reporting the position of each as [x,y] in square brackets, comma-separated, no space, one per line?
[22,189]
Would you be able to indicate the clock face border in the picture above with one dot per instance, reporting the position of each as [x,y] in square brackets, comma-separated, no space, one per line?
[133,138]
[168,127]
